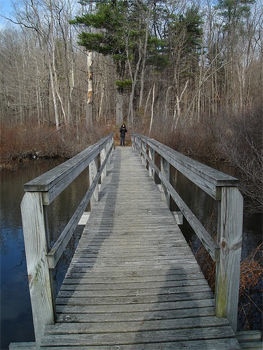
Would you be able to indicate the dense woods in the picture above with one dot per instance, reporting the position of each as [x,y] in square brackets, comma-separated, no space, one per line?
[189,73]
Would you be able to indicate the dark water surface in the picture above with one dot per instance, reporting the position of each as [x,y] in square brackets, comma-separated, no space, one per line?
[16,317]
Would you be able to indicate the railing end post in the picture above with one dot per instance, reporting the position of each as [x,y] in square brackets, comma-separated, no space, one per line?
[230,242]
[40,286]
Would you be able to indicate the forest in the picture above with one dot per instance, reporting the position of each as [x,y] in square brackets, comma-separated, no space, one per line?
[187,73]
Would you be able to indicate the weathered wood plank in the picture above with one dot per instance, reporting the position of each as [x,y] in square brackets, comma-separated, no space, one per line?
[25,346]
[230,240]
[139,316]
[131,292]
[85,217]
[58,178]
[37,267]
[135,307]
[220,187]
[142,337]
[208,344]
[155,274]
[249,336]
[200,174]
[133,326]
[116,286]
[133,282]
[91,195]
[136,299]
[166,187]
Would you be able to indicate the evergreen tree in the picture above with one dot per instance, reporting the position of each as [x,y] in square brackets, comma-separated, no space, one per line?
[185,37]
[234,11]
[233,14]
[119,29]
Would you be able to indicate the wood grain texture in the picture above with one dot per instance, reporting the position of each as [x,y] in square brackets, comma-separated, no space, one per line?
[37,265]
[133,282]
[230,241]
[54,181]
[211,246]
[202,175]
[222,187]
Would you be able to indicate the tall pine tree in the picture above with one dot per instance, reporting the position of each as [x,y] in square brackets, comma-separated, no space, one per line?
[119,29]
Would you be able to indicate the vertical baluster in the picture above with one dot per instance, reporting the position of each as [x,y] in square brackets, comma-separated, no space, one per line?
[152,157]
[93,169]
[165,169]
[144,147]
[102,159]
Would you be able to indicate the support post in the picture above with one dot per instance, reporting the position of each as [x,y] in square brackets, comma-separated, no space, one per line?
[93,169]
[165,170]
[112,150]
[36,248]
[230,218]
[102,158]
[143,153]
[152,157]
[133,141]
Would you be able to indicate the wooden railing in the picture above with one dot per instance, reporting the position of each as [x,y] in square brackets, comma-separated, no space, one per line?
[40,192]
[226,252]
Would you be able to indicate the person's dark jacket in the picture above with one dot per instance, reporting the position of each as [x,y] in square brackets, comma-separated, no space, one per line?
[123,130]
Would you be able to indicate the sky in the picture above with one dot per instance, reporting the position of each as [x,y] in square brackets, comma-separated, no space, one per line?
[6,10]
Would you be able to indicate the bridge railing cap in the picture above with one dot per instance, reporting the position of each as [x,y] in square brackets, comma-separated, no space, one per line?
[216,177]
[44,182]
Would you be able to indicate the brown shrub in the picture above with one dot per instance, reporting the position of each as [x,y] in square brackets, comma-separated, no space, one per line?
[19,142]
[250,289]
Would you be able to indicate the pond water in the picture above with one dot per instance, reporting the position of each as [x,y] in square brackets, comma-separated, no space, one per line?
[16,317]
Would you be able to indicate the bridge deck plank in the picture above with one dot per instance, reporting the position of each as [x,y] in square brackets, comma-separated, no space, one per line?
[133,282]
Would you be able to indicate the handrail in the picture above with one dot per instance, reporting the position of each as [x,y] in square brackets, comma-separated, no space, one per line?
[226,252]
[58,248]
[39,193]
[54,181]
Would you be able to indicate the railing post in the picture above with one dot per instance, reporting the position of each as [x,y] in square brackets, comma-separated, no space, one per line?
[152,157]
[102,158]
[230,218]
[137,144]
[165,170]
[140,148]
[144,152]
[112,143]
[36,248]
[93,169]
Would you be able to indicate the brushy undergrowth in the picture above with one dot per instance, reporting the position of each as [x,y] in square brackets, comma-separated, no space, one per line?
[21,142]
[250,310]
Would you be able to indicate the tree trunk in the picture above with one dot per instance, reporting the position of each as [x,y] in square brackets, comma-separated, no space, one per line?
[89,94]
[119,107]
[144,55]
[53,96]
[151,123]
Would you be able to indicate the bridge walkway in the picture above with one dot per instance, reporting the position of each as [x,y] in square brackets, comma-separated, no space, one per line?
[133,283]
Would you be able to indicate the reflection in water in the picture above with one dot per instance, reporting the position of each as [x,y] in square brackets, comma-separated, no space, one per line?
[16,316]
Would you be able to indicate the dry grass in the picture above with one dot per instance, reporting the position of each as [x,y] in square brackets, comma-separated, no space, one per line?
[251,285]
[20,142]
[251,271]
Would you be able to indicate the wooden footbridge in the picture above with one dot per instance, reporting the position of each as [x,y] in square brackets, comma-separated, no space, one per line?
[133,283]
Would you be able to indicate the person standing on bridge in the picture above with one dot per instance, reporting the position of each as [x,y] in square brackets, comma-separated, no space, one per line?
[123,131]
